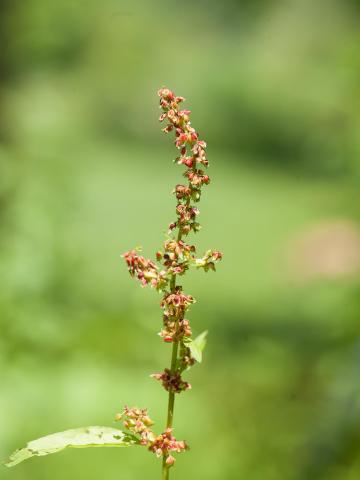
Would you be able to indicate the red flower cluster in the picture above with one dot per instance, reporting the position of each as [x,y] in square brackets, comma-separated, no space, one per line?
[137,421]
[174,331]
[172,382]
[182,191]
[166,443]
[176,303]
[176,256]
[145,270]
[197,178]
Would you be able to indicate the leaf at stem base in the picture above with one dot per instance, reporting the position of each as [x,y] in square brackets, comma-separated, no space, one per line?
[78,437]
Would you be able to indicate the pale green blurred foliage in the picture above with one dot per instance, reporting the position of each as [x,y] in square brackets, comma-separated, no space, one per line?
[86,174]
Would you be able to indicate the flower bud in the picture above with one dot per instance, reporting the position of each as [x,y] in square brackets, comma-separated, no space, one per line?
[170,461]
[147,421]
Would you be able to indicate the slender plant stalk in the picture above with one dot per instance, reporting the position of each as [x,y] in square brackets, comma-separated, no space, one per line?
[176,258]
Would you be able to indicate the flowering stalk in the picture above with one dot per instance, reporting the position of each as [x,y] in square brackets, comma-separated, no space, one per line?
[175,259]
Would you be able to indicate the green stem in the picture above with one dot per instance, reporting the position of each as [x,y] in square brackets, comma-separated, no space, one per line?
[174,354]
[171,399]
[165,470]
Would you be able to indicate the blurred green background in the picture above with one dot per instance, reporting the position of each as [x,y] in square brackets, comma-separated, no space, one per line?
[85,174]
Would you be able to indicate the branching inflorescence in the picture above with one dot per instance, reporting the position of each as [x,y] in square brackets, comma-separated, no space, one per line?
[174,260]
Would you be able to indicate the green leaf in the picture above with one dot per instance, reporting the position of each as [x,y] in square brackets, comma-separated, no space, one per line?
[197,345]
[77,437]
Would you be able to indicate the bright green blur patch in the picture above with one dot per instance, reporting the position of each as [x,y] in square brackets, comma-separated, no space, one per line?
[78,437]
[197,345]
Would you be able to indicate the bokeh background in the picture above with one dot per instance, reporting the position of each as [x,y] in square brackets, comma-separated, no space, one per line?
[85,174]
